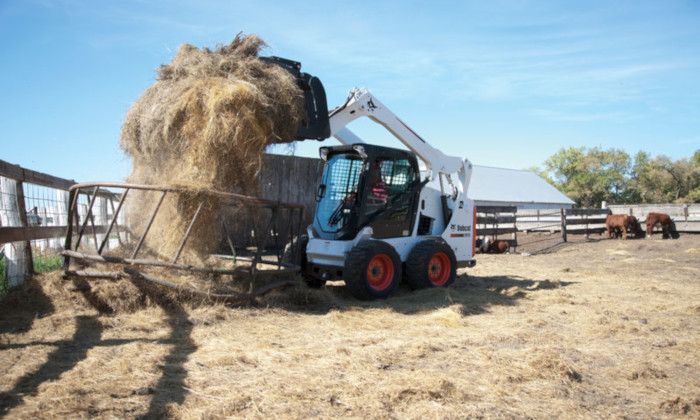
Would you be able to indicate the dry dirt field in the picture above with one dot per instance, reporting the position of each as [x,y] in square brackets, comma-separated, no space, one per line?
[598,329]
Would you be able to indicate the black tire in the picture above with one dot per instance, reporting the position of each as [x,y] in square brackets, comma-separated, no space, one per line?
[372,270]
[431,263]
[288,256]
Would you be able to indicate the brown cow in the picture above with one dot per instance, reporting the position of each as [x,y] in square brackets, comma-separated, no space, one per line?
[499,247]
[616,222]
[668,228]
[634,227]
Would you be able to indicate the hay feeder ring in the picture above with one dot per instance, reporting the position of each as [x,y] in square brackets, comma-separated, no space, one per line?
[101,231]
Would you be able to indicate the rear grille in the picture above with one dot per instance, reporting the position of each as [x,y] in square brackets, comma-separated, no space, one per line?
[425,225]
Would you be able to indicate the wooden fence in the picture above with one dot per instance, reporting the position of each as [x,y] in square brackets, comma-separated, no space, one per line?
[496,221]
[508,220]
[291,179]
[583,221]
[34,209]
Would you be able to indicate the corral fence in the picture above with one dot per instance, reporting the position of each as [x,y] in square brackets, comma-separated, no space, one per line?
[550,226]
[498,222]
[35,207]
[542,230]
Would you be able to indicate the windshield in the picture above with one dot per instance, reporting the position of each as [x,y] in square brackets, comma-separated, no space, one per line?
[341,178]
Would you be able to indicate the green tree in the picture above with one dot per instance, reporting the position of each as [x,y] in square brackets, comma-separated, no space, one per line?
[694,193]
[681,172]
[590,176]
[646,180]
[612,169]
[662,180]
[566,169]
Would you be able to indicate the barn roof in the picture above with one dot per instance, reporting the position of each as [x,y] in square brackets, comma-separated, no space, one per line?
[513,187]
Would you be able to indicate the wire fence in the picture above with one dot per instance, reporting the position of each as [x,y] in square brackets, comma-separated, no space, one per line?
[33,215]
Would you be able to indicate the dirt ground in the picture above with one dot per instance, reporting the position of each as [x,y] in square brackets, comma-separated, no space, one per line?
[597,329]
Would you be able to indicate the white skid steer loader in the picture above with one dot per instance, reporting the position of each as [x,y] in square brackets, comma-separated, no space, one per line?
[381,218]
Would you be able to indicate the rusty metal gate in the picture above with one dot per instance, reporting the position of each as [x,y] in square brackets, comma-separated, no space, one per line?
[97,221]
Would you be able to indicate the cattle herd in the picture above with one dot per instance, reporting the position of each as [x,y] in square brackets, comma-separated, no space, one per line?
[617,225]
[622,224]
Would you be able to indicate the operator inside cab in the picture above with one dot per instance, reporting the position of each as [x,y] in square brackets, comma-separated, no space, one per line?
[378,189]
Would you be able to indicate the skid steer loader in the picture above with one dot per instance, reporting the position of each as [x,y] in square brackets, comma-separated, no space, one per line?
[380,217]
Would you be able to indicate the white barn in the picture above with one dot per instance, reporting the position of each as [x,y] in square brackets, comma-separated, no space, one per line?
[511,187]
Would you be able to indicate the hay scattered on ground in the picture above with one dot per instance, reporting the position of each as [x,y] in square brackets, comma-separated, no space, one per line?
[204,125]
[610,340]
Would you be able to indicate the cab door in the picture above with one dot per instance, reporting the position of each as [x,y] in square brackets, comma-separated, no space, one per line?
[391,196]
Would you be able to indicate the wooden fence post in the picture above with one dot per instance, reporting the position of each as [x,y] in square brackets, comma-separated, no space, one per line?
[563,224]
[60,217]
[13,214]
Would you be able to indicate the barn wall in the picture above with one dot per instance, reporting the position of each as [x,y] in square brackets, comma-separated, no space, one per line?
[291,179]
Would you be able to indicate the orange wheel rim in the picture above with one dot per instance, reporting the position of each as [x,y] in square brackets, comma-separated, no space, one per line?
[439,269]
[380,272]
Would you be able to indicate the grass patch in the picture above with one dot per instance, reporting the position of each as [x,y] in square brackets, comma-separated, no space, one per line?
[41,265]
[46,264]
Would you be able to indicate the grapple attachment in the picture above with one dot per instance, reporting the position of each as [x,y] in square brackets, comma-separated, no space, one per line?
[316,125]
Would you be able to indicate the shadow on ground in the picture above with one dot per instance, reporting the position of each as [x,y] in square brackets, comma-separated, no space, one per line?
[171,384]
[475,294]
[67,354]
[25,305]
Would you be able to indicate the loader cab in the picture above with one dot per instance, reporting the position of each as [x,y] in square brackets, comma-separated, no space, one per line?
[366,185]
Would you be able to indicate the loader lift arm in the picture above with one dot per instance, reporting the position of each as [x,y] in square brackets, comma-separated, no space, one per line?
[361,103]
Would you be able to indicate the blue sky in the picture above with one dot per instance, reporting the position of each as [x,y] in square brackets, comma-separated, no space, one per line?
[503,83]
